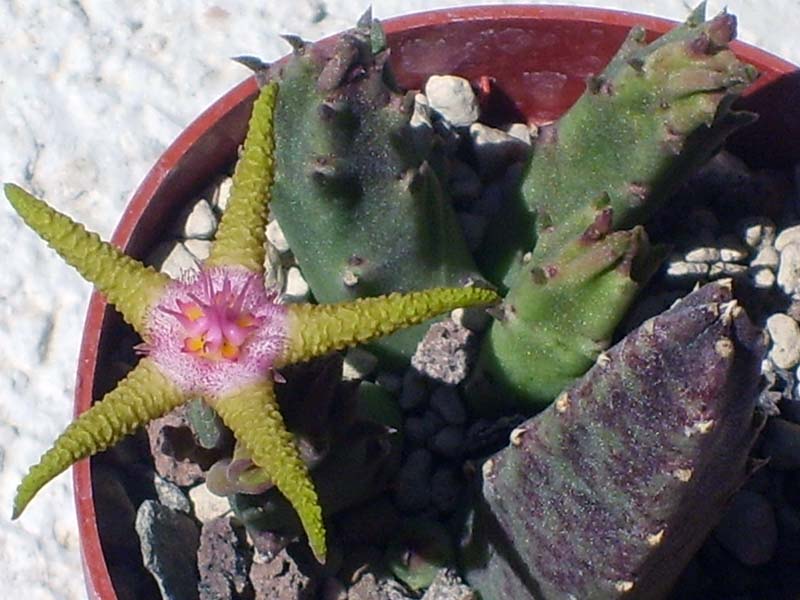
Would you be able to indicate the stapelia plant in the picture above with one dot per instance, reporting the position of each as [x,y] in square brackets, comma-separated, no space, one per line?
[219,334]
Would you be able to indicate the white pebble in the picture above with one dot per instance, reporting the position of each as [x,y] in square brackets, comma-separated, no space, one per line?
[484,135]
[766,257]
[789,269]
[200,223]
[200,249]
[767,367]
[495,148]
[208,506]
[757,231]
[785,334]
[358,363]
[220,199]
[687,269]
[703,255]
[296,289]
[732,254]
[174,259]
[421,117]
[276,237]
[763,278]
[790,235]
[274,273]
[520,131]
[474,319]
[752,235]
[452,97]
[729,268]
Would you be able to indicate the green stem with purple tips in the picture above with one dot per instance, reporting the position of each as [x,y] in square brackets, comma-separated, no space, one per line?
[656,113]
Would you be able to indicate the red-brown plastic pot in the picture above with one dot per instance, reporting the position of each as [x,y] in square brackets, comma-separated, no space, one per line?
[538,56]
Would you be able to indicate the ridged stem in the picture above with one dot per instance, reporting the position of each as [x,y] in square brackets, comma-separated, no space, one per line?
[127,284]
[255,419]
[145,394]
[317,329]
[241,234]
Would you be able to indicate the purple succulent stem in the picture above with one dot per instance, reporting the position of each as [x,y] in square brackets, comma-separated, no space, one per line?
[610,491]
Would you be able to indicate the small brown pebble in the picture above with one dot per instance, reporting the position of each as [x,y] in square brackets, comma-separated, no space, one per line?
[283,579]
[446,352]
[178,457]
[223,561]
[447,585]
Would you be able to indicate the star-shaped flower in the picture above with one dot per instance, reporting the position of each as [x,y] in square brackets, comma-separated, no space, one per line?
[220,334]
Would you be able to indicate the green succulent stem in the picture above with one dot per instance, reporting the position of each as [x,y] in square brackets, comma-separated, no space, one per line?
[553,328]
[358,190]
[655,114]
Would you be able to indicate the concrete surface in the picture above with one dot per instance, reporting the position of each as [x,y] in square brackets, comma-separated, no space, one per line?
[91,94]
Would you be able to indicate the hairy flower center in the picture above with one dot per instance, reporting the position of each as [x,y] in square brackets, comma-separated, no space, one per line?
[216,328]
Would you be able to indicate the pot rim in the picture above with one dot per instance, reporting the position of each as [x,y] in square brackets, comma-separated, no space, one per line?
[97,579]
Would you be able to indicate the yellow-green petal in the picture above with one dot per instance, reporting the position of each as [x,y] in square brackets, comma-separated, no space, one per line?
[317,329]
[241,234]
[253,415]
[127,284]
[145,394]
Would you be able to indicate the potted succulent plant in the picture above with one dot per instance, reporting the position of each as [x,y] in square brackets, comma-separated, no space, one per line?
[499,70]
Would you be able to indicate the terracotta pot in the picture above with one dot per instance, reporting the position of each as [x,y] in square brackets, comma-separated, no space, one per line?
[539,56]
